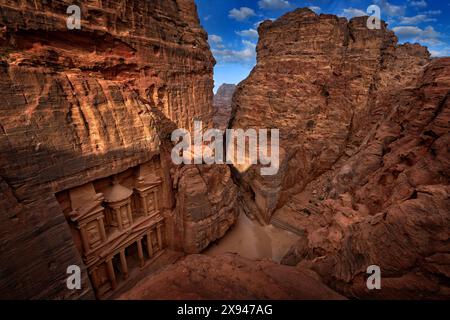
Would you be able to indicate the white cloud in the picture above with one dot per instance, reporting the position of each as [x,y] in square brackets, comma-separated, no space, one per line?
[274,4]
[419,3]
[411,31]
[249,44]
[433,12]
[247,54]
[427,36]
[250,33]
[215,38]
[216,41]
[416,19]
[352,12]
[445,52]
[391,9]
[241,13]
[316,9]
[422,17]
[407,31]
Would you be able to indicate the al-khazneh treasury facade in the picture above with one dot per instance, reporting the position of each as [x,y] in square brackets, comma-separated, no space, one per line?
[86,176]
[116,224]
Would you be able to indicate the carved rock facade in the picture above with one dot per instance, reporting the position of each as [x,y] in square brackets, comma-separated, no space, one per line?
[86,120]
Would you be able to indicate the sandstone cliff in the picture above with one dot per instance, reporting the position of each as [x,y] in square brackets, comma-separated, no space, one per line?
[364,171]
[318,79]
[389,203]
[81,105]
[222,105]
[364,174]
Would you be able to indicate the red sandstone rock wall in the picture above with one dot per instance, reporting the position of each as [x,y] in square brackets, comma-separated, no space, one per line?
[207,204]
[80,105]
[318,79]
[390,202]
[365,133]
[222,105]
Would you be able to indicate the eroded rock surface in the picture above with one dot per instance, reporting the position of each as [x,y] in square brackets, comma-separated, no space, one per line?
[318,80]
[389,204]
[83,105]
[222,105]
[207,204]
[364,175]
[230,277]
[364,128]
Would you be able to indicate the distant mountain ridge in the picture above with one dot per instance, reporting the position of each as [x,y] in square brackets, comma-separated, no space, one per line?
[222,105]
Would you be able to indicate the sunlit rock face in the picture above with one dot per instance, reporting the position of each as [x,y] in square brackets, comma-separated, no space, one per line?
[82,106]
[319,80]
[86,176]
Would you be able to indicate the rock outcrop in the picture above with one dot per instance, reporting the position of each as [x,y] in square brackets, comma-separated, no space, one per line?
[364,128]
[389,204]
[222,106]
[318,80]
[364,169]
[82,105]
[207,203]
[230,277]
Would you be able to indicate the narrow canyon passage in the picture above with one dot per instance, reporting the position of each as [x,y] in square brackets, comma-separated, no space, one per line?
[251,240]
[344,132]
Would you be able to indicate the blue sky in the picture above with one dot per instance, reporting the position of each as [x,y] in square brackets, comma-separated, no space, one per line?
[232,24]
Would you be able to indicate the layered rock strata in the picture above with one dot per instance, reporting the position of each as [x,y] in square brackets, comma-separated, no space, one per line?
[84,105]
[318,80]
[388,204]
[222,105]
[364,176]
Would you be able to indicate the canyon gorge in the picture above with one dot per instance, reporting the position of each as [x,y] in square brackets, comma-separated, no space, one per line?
[87,179]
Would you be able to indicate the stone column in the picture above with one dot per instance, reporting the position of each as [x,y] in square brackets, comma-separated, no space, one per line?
[130,216]
[144,204]
[155,197]
[101,225]
[111,274]
[159,233]
[123,264]
[95,282]
[84,238]
[140,253]
[149,244]
[118,213]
